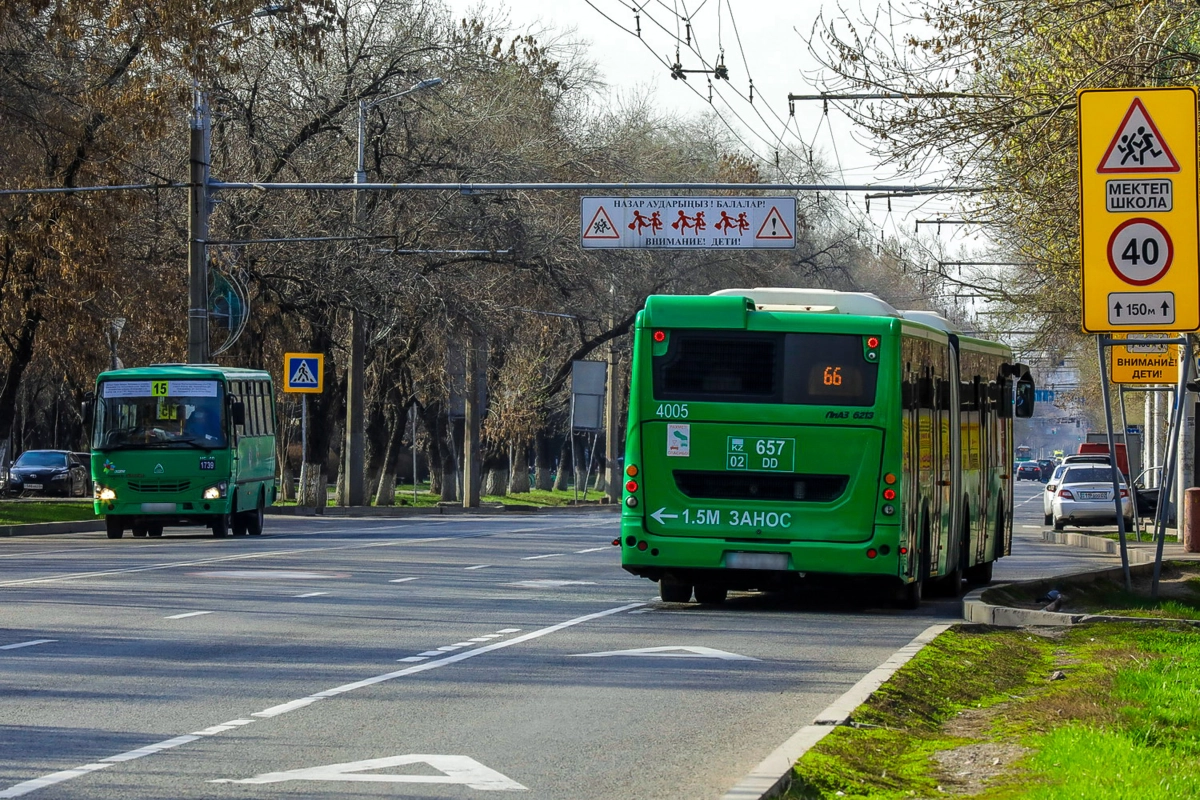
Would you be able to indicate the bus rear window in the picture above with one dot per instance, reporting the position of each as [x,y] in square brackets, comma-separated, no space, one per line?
[736,366]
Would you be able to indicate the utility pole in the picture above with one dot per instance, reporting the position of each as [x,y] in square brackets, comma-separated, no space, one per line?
[198,233]
[471,459]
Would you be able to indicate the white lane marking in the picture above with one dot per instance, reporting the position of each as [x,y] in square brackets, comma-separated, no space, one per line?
[428,653]
[59,777]
[188,614]
[487,638]
[1030,500]
[401,580]
[535,558]
[1032,527]
[19,645]
[642,611]
[670,651]
[478,566]
[455,769]
[219,559]
[549,584]
[225,726]
[412,659]
[50,780]
[450,648]
[467,643]
[150,749]
[311,594]
[592,550]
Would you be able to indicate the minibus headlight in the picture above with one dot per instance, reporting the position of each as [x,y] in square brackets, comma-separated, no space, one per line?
[103,492]
[216,492]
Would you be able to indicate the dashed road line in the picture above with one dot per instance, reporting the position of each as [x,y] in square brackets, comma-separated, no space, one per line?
[311,594]
[535,558]
[19,645]
[188,614]
[478,566]
[401,580]
[593,549]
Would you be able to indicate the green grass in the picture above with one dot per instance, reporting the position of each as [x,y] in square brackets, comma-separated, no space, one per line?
[1102,712]
[21,512]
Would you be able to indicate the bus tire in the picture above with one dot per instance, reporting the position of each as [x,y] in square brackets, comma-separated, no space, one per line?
[139,531]
[113,527]
[155,530]
[709,595]
[909,596]
[672,591]
[980,574]
[254,519]
[220,526]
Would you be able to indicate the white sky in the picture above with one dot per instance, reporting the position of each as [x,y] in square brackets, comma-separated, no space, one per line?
[772,36]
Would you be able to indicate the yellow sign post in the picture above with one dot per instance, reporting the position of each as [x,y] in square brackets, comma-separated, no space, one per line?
[1138,210]
[1144,363]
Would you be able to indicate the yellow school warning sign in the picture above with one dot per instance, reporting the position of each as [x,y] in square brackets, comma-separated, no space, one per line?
[1138,210]
[1144,363]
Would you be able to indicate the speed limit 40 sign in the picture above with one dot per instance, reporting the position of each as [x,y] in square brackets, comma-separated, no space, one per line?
[1138,210]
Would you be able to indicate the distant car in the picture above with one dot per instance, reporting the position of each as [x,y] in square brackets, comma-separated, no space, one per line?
[52,473]
[1087,458]
[1085,497]
[1051,489]
[1046,465]
[1028,471]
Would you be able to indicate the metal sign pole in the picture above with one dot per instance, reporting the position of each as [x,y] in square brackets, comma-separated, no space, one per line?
[1170,468]
[303,446]
[1102,343]
[1137,526]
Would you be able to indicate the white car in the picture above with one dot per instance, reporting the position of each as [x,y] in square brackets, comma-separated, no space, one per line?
[1085,497]
[1051,489]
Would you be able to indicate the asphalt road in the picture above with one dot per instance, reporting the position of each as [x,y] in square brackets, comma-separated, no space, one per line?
[429,658]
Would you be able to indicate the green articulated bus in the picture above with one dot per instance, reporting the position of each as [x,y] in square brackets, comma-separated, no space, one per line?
[785,434]
[179,444]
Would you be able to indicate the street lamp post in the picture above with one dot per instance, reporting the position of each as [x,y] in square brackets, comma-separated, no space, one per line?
[354,460]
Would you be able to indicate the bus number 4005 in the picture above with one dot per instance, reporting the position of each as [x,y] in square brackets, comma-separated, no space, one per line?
[673,410]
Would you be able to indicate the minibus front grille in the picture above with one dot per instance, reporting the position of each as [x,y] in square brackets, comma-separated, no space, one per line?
[160,486]
[721,485]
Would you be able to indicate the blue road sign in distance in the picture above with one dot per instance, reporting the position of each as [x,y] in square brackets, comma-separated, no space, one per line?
[304,372]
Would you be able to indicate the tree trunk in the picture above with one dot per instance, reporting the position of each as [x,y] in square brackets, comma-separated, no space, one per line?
[285,482]
[518,481]
[495,472]
[542,477]
[20,354]
[447,444]
[565,467]
[314,487]
[385,492]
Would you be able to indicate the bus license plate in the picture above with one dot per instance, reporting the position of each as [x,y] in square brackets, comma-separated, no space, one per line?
[158,508]
[775,561]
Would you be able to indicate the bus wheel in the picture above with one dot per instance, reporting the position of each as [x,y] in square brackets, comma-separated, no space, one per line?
[980,574]
[910,595]
[139,531]
[155,530]
[254,519]
[114,528]
[674,592]
[709,595]
[220,526]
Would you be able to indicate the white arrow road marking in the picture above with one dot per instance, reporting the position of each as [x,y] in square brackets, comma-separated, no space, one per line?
[660,516]
[455,769]
[671,651]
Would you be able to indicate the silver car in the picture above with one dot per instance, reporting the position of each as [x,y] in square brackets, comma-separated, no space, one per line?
[1051,490]
[1085,497]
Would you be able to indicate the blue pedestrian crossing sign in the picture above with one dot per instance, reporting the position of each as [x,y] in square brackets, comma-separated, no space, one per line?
[304,372]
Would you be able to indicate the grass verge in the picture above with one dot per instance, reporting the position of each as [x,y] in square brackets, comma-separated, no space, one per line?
[536,497]
[24,512]
[1104,712]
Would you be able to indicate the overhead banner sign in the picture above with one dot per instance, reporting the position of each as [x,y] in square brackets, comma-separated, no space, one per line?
[1144,363]
[688,223]
[1138,210]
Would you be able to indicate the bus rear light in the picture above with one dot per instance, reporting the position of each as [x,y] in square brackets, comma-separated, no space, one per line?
[872,341]
[642,545]
[616,542]
[889,479]
[631,501]
[872,553]
[631,486]
[660,336]
[903,551]
[631,470]
[871,349]
[888,509]
[1066,494]
[889,494]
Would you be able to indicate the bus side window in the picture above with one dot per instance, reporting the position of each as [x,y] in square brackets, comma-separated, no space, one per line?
[260,419]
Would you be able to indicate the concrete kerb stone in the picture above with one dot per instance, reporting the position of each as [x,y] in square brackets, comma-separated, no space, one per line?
[774,774]
[38,528]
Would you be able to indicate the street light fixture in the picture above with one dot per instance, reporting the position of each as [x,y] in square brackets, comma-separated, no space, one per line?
[354,459]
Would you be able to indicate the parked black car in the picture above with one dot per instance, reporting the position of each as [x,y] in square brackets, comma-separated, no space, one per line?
[57,473]
[1028,471]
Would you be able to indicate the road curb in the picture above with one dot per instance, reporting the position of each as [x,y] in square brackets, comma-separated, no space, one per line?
[774,774]
[1097,544]
[39,528]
